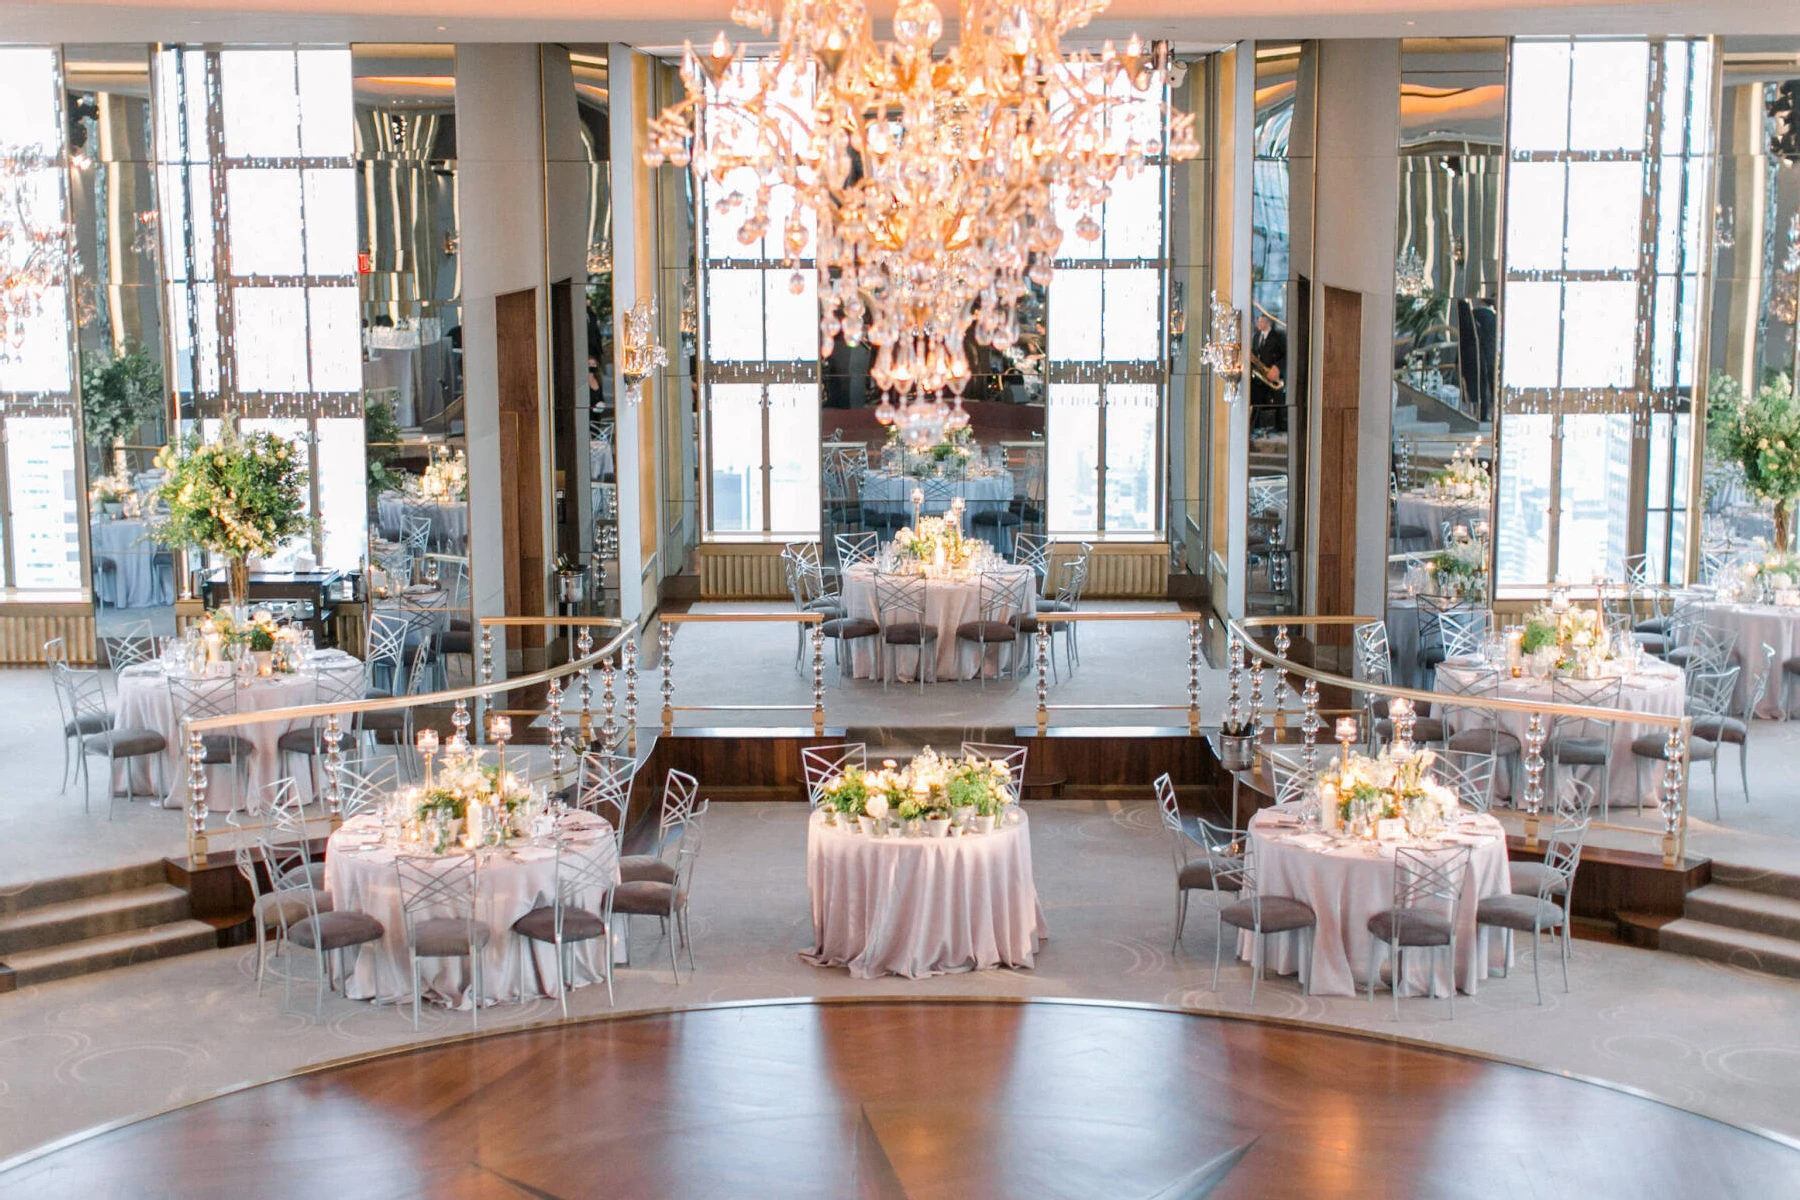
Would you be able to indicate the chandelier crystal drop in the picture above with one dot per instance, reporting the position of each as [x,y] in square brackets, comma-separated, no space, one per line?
[929,183]
[35,246]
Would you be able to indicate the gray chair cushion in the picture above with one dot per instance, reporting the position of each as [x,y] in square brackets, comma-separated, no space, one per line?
[1411,927]
[994,516]
[1279,914]
[225,747]
[1411,533]
[986,631]
[1582,752]
[1527,877]
[335,930]
[1518,912]
[390,721]
[578,925]
[849,627]
[315,871]
[91,723]
[1652,625]
[646,898]
[125,743]
[637,868]
[1722,729]
[444,937]
[1430,656]
[1791,665]
[909,634]
[1198,874]
[456,641]
[297,741]
[1483,741]
[1651,746]
[278,908]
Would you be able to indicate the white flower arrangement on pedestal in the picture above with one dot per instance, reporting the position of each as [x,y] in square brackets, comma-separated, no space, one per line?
[1463,478]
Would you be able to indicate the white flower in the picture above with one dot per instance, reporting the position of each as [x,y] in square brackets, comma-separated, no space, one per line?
[876,806]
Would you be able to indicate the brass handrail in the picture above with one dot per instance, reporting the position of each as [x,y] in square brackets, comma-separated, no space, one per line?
[194,730]
[665,641]
[1672,805]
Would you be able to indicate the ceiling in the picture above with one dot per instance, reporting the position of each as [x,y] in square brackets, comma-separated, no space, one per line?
[1191,24]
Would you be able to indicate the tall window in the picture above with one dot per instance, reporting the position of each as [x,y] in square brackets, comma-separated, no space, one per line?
[40,536]
[258,191]
[1605,198]
[762,354]
[1104,346]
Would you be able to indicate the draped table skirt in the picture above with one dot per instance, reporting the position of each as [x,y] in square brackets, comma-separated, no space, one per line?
[513,882]
[948,604]
[922,906]
[1346,884]
[1756,626]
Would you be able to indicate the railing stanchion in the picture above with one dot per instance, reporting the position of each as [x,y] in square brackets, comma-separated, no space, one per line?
[1234,711]
[818,665]
[1674,793]
[1194,678]
[584,646]
[553,701]
[630,653]
[459,720]
[1043,676]
[196,811]
[609,726]
[1309,729]
[1534,778]
[334,767]
[1281,651]
[1256,699]
[665,641]
[486,675]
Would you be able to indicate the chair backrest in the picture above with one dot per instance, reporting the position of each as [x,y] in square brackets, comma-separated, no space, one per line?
[1760,688]
[197,699]
[1166,803]
[1637,570]
[1562,856]
[418,678]
[289,867]
[336,681]
[899,599]
[1453,626]
[680,800]
[853,548]
[1475,682]
[939,491]
[1470,777]
[1374,657]
[56,651]
[1424,878]
[133,644]
[1574,799]
[386,645]
[1286,774]
[1074,583]
[1032,550]
[1228,858]
[1010,757]
[1588,693]
[417,534]
[282,806]
[821,764]
[1710,692]
[603,787]
[364,783]
[85,692]
[433,888]
[806,553]
[1001,596]
[687,854]
[1710,648]
[584,876]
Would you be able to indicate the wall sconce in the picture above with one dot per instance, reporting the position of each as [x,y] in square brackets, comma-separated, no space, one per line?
[1224,348]
[1177,318]
[640,356]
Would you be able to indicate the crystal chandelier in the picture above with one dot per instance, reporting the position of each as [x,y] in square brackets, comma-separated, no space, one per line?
[1409,273]
[1223,352]
[35,247]
[640,356]
[932,177]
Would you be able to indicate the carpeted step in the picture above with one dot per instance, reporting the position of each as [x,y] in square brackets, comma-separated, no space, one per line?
[1739,947]
[74,887]
[110,950]
[1758,912]
[90,916]
[1757,879]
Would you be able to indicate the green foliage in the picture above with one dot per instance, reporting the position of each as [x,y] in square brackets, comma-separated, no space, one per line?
[1539,635]
[381,442]
[119,394]
[239,496]
[1760,433]
[1415,315]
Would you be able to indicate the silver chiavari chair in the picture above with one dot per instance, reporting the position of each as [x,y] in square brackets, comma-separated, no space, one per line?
[1428,884]
[440,901]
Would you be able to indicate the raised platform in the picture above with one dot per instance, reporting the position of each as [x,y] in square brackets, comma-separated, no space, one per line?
[892,1099]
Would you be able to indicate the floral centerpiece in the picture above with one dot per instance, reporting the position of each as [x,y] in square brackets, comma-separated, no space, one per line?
[446,478]
[221,633]
[483,802]
[1463,478]
[1760,435]
[1773,578]
[1572,639]
[938,541]
[111,494]
[931,794]
[1394,785]
[950,455]
[238,496]
[1460,569]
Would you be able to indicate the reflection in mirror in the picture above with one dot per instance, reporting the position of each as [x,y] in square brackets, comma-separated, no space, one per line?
[1190,408]
[595,464]
[417,561]
[673,188]
[125,406]
[1756,262]
[1446,323]
[1280,266]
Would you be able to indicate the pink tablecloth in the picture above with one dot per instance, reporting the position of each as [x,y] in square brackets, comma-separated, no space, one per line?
[1346,885]
[513,882]
[922,906]
[948,604]
[1756,626]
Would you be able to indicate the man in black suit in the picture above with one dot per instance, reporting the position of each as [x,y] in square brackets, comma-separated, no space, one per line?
[1268,394]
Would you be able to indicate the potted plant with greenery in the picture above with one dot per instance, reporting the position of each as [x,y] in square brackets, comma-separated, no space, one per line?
[1760,435]
[119,395]
[238,496]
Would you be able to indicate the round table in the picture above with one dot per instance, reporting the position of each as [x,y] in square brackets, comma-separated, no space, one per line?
[449,520]
[144,703]
[922,906]
[1657,688]
[885,492]
[1757,625]
[949,602]
[360,875]
[1430,512]
[133,582]
[1348,881]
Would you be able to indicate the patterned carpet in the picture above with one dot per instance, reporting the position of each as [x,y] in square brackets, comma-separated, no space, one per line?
[1718,1041]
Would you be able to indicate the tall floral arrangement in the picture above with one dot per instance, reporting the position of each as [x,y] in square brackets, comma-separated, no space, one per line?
[1760,435]
[238,496]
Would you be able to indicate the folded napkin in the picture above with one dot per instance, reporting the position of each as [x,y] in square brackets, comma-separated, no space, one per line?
[143,668]
[1308,841]
[532,853]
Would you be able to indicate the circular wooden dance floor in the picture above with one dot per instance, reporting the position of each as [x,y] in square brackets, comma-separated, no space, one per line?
[893,1099]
